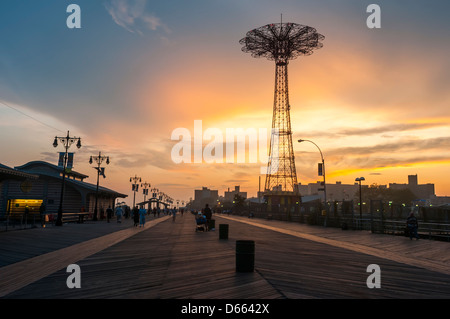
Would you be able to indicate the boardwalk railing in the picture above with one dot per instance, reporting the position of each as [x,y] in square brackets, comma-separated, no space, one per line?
[19,221]
[376,216]
[33,220]
[428,230]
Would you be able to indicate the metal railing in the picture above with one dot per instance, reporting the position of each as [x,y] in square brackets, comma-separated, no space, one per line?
[430,230]
[20,221]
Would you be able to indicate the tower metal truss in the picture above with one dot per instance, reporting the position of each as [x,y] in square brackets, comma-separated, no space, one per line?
[281,42]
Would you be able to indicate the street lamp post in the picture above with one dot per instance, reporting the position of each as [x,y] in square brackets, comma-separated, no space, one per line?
[145,186]
[162,199]
[135,180]
[67,142]
[99,160]
[155,191]
[323,173]
[360,179]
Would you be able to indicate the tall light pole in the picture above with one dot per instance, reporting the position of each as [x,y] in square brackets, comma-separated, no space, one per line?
[67,141]
[98,160]
[155,191]
[135,186]
[162,198]
[360,179]
[323,173]
[145,186]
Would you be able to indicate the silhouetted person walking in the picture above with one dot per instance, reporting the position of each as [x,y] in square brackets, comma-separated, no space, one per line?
[174,214]
[109,213]
[42,214]
[142,213]
[135,216]
[208,214]
[119,214]
[413,225]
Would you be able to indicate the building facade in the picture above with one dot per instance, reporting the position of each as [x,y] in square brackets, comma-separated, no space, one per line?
[422,191]
[229,195]
[17,195]
[204,196]
[335,192]
[346,192]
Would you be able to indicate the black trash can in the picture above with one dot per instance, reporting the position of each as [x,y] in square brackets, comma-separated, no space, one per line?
[223,231]
[245,255]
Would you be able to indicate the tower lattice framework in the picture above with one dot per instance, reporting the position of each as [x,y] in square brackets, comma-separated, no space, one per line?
[281,42]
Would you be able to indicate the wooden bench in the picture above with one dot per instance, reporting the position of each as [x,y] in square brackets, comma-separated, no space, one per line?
[74,217]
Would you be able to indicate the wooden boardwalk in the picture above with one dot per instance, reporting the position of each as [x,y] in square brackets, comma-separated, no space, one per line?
[169,260]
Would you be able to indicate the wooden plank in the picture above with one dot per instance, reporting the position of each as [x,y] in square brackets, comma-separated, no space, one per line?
[172,261]
[357,245]
[23,273]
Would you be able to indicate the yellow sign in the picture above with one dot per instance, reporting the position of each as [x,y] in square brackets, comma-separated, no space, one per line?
[26,186]
[18,205]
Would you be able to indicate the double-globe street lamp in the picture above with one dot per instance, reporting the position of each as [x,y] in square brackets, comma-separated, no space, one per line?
[155,192]
[67,141]
[145,187]
[135,186]
[100,171]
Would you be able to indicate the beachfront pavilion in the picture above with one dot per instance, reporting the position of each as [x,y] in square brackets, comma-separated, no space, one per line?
[38,182]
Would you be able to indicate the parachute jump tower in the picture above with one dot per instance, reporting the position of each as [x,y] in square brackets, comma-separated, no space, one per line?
[281,42]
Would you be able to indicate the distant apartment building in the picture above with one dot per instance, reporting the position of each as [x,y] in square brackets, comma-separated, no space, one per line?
[229,195]
[204,196]
[338,191]
[422,191]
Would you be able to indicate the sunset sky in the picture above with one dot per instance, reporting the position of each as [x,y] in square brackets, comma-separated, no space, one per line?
[376,101]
